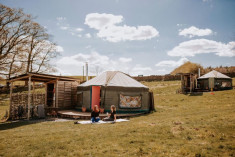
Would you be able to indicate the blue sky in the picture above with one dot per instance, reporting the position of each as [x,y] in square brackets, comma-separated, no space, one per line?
[149,37]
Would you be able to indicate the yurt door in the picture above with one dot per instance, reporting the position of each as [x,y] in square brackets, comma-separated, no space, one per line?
[95,96]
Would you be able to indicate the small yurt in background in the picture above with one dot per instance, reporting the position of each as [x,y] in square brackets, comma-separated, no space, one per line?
[115,88]
[214,80]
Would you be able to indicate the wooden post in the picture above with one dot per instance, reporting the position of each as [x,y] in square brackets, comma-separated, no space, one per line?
[29,97]
[182,84]
[33,93]
[10,109]
[45,94]
[54,92]
[211,87]
[190,83]
[56,96]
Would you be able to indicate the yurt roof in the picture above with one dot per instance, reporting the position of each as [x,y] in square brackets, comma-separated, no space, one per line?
[214,74]
[114,79]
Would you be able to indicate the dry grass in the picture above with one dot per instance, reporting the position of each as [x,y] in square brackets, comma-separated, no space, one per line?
[183,125]
[4,104]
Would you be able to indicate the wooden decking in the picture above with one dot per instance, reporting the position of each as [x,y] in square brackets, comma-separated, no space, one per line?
[87,115]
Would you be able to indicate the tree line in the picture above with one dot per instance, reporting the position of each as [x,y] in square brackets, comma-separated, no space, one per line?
[25,45]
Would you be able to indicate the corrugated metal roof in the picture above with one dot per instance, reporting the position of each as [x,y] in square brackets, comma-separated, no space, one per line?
[115,79]
[214,74]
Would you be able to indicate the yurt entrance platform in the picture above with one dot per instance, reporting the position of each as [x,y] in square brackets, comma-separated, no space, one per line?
[87,115]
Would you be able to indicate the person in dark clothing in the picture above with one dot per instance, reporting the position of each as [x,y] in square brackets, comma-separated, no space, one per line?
[112,115]
[95,114]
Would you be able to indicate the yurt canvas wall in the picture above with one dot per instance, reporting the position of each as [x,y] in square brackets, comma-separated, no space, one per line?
[214,80]
[116,88]
[120,97]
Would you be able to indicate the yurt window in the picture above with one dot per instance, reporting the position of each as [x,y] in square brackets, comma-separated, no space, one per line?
[130,101]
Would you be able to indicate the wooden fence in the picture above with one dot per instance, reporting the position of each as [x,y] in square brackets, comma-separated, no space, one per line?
[157,78]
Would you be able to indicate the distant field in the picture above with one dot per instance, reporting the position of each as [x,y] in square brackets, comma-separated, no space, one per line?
[183,125]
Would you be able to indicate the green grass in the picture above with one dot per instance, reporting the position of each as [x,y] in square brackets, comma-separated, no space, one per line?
[182,125]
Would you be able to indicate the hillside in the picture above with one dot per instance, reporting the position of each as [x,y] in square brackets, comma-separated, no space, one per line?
[183,125]
[187,67]
[190,67]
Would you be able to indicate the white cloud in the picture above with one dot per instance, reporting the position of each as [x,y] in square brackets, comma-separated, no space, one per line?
[64,28]
[72,31]
[61,22]
[179,24]
[125,60]
[61,18]
[73,64]
[194,31]
[171,63]
[88,46]
[88,35]
[63,25]
[200,46]
[141,70]
[123,33]
[79,29]
[59,48]
[161,70]
[107,27]
[100,21]
[98,63]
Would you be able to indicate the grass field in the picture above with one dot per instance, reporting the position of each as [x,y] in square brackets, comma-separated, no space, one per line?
[183,125]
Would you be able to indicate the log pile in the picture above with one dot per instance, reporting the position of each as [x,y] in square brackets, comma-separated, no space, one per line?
[19,104]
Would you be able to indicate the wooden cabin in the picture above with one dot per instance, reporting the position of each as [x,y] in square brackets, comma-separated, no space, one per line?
[60,92]
[188,81]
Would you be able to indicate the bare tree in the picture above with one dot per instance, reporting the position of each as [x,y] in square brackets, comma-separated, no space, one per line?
[12,63]
[96,69]
[39,50]
[24,44]
[14,28]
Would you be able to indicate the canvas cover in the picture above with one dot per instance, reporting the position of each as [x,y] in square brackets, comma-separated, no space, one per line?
[113,79]
[214,74]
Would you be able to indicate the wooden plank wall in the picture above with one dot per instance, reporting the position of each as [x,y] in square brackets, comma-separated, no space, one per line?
[67,94]
[74,93]
[60,94]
